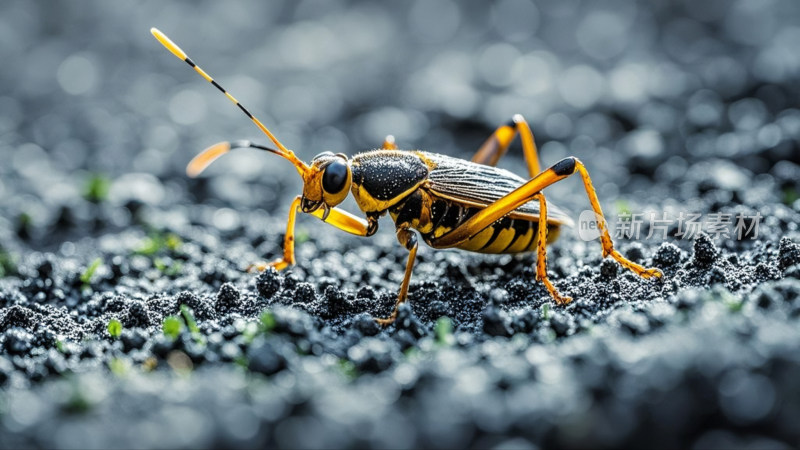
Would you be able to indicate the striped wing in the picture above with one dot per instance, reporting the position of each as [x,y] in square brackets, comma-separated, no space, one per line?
[478,183]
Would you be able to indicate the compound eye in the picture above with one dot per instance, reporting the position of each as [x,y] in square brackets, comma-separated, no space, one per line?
[334,178]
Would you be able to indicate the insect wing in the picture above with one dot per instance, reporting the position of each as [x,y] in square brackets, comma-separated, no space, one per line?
[477,183]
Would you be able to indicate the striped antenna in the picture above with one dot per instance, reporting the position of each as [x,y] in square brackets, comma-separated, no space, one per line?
[218,148]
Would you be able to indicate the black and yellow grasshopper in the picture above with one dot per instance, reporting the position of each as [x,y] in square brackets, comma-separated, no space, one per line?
[450,202]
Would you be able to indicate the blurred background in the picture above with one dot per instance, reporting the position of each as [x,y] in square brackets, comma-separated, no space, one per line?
[91,105]
[674,106]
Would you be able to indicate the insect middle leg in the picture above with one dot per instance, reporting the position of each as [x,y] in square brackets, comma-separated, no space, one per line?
[409,239]
[495,147]
[529,191]
[337,217]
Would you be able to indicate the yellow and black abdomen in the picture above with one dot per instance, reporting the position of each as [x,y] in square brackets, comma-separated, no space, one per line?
[434,216]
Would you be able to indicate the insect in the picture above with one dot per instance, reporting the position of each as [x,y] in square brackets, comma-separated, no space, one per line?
[450,202]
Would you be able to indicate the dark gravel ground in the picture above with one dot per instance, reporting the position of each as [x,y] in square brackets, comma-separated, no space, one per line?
[674,106]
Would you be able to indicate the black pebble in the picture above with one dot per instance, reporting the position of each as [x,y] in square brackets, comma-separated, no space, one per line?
[45,269]
[304,292]
[560,323]
[18,341]
[668,254]
[17,316]
[264,358]
[525,322]
[371,355]
[438,308]
[227,297]
[717,276]
[635,252]
[765,297]
[366,325]
[366,292]
[336,301]
[788,253]
[119,268]
[137,314]
[132,339]
[201,308]
[406,320]
[766,271]
[704,251]
[268,283]
[609,269]
[496,322]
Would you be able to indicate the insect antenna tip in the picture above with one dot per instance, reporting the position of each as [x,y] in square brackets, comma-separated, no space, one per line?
[199,163]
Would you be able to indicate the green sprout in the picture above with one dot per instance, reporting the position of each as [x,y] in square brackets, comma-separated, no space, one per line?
[119,366]
[172,326]
[86,276]
[301,236]
[268,322]
[790,195]
[348,369]
[172,269]
[173,242]
[444,331]
[188,316]
[78,401]
[114,328]
[8,265]
[623,207]
[249,331]
[546,311]
[158,241]
[191,324]
[96,188]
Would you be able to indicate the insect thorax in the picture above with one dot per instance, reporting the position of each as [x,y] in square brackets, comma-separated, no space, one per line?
[382,178]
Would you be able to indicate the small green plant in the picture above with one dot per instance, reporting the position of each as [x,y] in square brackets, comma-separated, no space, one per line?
[188,316]
[735,305]
[173,242]
[171,269]
[268,322]
[119,366]
[96,188]
[77,402]
[191,324]
[157,241]
[790,195]
[348,369]
[241,361]
[301,236]
[8,265]
[86,276]
[250,330]
[172,326]
[114,328]
[623,207]
[546,311]
[24,223]
[444,331]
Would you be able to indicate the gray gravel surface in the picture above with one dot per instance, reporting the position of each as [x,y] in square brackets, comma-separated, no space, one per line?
[126,316]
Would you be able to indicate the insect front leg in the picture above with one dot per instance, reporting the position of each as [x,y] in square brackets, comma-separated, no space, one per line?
[495,147]
[409,239]
[339,218]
